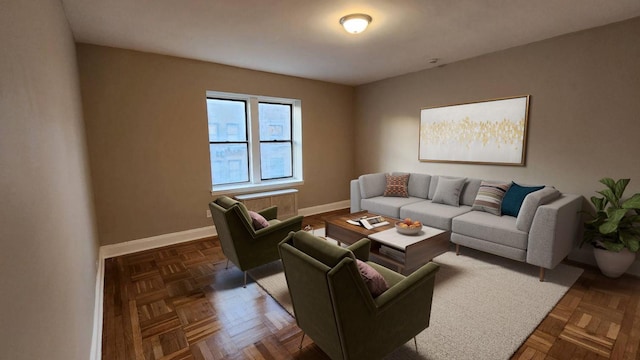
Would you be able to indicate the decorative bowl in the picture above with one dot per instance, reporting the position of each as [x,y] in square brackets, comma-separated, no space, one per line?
[408,230]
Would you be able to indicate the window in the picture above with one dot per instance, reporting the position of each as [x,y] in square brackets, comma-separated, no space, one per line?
[276,148]
[229,148]
[254,142]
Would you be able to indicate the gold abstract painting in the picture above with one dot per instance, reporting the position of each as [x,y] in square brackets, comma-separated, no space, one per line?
[486,132]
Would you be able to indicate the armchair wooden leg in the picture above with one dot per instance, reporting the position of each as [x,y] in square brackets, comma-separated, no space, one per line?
[541,274]
[245,280]
[415,342]
[457,249]
[301,340]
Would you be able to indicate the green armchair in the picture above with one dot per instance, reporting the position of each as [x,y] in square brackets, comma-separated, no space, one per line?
[241,243]
[333,305]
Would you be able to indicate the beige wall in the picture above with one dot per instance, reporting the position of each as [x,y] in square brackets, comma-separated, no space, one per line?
[147,137]
[584,118]
[48,246]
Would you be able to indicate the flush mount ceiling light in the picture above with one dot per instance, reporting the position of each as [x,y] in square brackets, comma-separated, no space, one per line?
[355,23]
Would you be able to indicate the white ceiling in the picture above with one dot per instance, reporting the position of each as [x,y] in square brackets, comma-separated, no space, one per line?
[303,37]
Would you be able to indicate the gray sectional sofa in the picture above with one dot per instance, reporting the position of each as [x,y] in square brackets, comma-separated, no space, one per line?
[542,234]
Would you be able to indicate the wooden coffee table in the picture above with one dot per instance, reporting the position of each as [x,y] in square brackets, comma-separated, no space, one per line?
[404,253]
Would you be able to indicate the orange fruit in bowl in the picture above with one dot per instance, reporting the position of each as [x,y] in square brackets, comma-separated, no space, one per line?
[408,221]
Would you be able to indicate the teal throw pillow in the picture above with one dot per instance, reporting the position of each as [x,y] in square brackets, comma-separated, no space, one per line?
[514,197]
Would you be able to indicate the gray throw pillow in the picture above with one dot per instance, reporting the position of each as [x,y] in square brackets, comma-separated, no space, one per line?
[448,191]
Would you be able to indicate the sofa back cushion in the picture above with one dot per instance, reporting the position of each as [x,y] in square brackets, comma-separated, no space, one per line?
[418,184]
[470,191]
[433,185]
[372,185]
[530,206]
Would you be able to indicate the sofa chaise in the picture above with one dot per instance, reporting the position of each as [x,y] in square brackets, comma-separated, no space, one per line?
[539,228]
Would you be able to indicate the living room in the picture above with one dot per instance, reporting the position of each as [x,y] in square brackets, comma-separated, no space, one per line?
[105,145]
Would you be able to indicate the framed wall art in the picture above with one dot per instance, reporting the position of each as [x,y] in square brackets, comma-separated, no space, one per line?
[483,132]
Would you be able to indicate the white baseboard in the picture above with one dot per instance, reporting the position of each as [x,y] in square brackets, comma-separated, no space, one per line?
[96,337]
[129,247]
[324,208]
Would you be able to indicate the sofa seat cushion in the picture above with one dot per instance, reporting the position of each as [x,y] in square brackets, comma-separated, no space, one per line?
[433,214]
[489,247]
[498,229]
[388,206]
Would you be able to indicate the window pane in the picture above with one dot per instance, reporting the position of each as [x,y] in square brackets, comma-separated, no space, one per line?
[275,160]
[229,163]
[275,121]
[227,120]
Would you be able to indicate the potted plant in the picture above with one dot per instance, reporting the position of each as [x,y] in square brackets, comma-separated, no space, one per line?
[614,230]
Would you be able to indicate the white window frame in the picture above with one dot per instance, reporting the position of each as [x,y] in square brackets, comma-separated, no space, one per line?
[253,137]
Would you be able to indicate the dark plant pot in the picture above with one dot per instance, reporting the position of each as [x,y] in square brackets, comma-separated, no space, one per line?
[613,264]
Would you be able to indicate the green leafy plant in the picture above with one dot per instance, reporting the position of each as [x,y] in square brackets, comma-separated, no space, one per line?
[616,223]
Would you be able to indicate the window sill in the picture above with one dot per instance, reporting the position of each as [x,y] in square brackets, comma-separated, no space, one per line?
[245,188]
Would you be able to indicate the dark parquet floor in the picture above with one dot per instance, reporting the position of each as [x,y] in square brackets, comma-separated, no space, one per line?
[179,302]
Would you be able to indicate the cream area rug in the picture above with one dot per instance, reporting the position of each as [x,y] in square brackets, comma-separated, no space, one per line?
[484,306]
